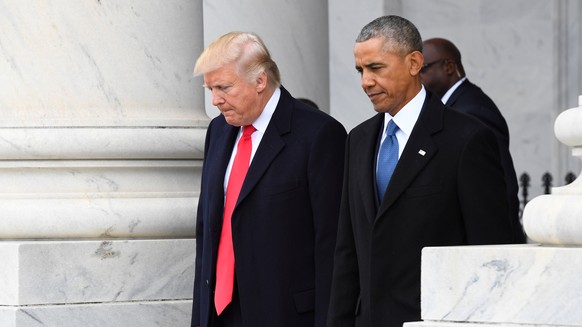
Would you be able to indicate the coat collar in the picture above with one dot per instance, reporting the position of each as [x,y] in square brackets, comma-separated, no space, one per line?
[271,144]
[457,93]
[366,146]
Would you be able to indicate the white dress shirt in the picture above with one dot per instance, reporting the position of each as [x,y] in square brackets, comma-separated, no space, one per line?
[261,126]
[405,120]
[447,95]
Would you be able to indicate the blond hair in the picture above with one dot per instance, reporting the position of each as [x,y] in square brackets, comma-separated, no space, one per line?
[246,50]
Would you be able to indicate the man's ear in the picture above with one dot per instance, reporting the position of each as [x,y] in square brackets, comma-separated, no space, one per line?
[450,67]
[416,60]
[261,82]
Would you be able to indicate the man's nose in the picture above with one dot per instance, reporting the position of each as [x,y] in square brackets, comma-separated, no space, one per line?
[367,80]
[217,98]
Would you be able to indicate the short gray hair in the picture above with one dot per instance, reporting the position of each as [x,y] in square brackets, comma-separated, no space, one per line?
[399,34]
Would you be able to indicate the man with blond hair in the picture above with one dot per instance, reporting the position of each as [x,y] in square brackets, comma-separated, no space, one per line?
[269,198]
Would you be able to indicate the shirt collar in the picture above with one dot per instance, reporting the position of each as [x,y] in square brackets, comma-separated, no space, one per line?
[263,121]
[447,95]
[407,116]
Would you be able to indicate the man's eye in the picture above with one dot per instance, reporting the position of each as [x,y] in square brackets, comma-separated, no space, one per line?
[223,88]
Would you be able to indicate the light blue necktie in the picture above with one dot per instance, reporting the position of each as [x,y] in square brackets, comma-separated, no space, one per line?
[387,159]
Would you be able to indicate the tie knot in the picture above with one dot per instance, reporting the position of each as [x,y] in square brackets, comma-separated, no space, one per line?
[392,128]
[248,130]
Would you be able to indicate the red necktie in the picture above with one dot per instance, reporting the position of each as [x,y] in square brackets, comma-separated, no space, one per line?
[225,261]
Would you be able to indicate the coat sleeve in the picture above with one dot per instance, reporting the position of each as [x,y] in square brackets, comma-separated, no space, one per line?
[199,243]
[345,282]
[197,268]
[325,182]
[482,191]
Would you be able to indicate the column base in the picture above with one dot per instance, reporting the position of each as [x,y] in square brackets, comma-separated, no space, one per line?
[107,282]
[468,324]
[124,314]
[501,285]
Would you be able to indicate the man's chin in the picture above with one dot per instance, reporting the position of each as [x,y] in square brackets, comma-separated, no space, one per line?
[380,109]
[232,122]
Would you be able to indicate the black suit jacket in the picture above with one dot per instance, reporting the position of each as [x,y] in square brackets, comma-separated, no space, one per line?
[447,189]
[285,220]
[468,98]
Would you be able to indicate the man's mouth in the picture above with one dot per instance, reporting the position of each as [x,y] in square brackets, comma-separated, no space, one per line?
[373,95]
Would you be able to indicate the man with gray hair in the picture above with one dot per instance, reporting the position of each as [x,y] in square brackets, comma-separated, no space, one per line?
[416,175]
[269,198]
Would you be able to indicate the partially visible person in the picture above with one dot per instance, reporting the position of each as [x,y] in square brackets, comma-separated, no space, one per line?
[446,189]
[443,73]
[309,102]
[264,237]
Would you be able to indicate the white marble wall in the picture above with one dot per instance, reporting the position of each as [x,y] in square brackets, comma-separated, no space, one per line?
[98,63]
[142,314]
[501,285]
[92,271]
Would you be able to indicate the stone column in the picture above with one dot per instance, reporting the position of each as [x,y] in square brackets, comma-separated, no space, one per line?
[531,284]
[101,138]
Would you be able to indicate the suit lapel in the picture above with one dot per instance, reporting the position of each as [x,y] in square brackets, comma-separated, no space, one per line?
[419,150]
[217,159]
[226,142]
[367,150]
[271,144]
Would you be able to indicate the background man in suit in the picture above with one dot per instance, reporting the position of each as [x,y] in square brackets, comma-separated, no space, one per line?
[447,186]
[444,75]
[270,262]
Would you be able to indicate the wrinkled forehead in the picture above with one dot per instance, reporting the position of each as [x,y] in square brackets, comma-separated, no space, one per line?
[222,75]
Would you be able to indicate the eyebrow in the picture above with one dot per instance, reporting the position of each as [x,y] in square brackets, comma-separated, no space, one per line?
[371,65]
[219,84]
[374,64]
